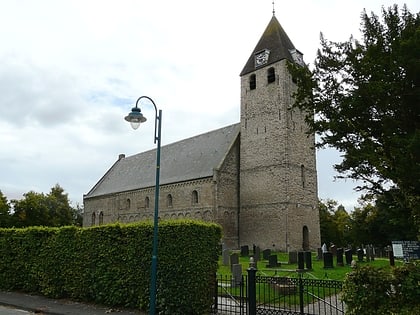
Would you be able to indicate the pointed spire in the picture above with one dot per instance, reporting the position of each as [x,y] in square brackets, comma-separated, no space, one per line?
[276,42]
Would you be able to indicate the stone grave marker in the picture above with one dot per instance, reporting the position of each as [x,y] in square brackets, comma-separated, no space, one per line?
[319,253]
[360,254]
[308,260]
[340,261]
[328,260]
[225,257]
[293,257]
[301,260]
[266,253]
[349,256]
[272,262]
[245,251]
[257,254]
[333,250]
[236,275]
[234,260]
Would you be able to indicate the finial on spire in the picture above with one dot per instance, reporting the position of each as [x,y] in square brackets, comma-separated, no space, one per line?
[274,10]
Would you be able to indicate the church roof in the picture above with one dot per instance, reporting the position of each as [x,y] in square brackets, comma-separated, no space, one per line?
[188,159]
[276,41]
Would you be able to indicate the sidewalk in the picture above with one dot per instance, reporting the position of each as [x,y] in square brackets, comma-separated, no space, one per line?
[43,305]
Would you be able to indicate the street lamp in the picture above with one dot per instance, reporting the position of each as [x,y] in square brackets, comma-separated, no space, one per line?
[135,118]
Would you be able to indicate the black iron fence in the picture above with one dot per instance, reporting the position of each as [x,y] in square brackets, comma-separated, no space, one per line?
[253,294]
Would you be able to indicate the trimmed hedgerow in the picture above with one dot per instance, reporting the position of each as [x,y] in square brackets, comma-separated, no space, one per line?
[111,264]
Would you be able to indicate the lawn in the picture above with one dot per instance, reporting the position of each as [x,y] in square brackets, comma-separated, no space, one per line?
[290,270]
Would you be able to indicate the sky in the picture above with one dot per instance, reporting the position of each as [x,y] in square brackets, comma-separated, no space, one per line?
[71,70]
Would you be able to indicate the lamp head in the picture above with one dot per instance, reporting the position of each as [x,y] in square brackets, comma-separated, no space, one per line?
[135,117]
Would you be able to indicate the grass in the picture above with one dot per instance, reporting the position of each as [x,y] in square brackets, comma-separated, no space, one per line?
[289,270]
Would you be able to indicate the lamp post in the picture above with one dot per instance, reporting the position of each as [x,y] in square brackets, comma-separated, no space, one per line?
[135,118]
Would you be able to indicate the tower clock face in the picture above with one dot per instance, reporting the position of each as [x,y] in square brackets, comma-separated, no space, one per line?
[261,58]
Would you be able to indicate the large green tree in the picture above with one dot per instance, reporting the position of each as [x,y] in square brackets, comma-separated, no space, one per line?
[365,97]
[52,209]
[5,216]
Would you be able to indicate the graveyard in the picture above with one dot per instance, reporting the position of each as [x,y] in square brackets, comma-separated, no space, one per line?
[284,264]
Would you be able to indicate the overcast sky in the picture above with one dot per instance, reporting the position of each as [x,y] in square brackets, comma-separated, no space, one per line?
[71,70]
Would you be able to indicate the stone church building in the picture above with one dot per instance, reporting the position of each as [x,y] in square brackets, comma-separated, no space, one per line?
[256,178]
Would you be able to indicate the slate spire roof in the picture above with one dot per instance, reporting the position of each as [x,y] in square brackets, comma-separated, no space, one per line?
[276,41]
[188,159]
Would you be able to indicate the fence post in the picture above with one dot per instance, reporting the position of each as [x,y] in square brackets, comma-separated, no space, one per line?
[301,302]
[252,294]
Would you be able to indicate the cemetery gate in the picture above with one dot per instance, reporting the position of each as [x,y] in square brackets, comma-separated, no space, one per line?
[274,295]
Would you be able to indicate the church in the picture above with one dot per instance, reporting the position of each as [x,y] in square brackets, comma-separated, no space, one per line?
[256,178]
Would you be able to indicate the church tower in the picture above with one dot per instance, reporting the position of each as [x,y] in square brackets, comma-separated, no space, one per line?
[278,181]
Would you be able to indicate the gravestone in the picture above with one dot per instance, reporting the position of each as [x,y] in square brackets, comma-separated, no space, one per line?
[245,251]
[236,275]
[293,257]
[225,257]
[333,250]
[340,261]
[234,260]
[301,260]
[257,254]
[349,256]
[266,253]
[319,253]
[328,260]
[308,260]
[272,262]
[360,254]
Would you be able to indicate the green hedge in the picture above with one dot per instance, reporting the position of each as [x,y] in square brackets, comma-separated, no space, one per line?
[369,290]
[111,264]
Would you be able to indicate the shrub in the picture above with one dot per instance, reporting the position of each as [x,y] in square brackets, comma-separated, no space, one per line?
[111,264]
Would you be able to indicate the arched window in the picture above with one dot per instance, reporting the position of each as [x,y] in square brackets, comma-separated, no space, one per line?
[194,197]
[252,82]
[271,75]
[101,218]
[147,202]
[303,175]
[93,219]
[127,204]
[169,200]
[305,242]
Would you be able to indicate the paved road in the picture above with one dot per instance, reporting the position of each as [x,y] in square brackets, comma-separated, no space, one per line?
[6,310]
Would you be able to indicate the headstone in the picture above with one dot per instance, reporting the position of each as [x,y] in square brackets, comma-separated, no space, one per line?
[340,261]
[301,260]
[333,250]
[328,260]
[266,253]
[236,275]
[308,260]
[234,260]
[349,256]
[324,248]
[225,257]
[293,257]
[391,258]
[272,262]
[257,254]
[245,251]
[319,253]
[360,254]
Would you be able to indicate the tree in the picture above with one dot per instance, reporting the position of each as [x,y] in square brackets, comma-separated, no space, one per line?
[5,217]
[365,98]
[53,209]
[334,223]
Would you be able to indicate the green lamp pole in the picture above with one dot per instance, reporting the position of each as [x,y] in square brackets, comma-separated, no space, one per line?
[135,118]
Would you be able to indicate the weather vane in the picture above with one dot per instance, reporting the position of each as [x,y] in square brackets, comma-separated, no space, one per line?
[274,10]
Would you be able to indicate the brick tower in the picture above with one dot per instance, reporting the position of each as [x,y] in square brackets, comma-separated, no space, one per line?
[278,181]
